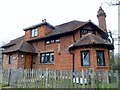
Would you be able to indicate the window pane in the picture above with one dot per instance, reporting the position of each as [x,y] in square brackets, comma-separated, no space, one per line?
[36,32]
[51,57]
[10,59]
[47,58]
[57,40]
[100,58]
[42,58]
[52,41]
[47,42]
[32,33]
[85,58]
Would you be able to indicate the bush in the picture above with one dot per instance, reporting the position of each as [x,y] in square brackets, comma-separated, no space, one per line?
[116,65]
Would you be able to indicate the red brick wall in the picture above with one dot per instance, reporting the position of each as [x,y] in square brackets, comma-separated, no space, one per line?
[14,63]
[47,30]
[21,60]
[62,57]
[93,59]
[77,35]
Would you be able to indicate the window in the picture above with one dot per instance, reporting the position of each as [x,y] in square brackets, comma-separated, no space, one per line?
[34,32]
[10,59]
[47,42]
[100,58]
[85,58]
[47,57]
[56,40]
[85,31]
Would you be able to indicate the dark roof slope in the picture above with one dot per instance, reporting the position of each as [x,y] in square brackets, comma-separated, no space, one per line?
[22,47]
[91,39]
[13,42]
[66,27]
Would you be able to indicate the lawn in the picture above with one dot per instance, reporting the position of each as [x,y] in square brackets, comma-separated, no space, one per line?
[0,86]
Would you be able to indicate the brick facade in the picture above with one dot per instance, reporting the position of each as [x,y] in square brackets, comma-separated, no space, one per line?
[93,59]
[14,63]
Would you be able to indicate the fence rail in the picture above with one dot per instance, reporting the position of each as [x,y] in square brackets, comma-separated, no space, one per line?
[20,78]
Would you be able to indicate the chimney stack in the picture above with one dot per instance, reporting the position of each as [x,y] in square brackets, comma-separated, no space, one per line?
[101,19]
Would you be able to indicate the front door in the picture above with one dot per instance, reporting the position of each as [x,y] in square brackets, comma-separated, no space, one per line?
[28,61]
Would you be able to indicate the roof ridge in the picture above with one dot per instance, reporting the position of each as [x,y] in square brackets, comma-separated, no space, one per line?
[68,22]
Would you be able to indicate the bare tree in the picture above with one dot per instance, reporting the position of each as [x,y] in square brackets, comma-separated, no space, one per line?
[4,42]
[111,2]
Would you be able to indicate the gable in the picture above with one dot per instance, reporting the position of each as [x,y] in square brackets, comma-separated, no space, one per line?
[91,26]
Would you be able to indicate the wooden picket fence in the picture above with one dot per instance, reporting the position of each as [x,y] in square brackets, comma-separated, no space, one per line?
[0,74]
[20,78]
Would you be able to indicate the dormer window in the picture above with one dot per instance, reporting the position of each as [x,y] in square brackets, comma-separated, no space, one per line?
[34,32]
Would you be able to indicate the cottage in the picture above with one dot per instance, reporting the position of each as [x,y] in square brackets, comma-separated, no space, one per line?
[73,45]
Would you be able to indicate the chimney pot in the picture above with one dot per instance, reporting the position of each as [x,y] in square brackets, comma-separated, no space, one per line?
[44,20]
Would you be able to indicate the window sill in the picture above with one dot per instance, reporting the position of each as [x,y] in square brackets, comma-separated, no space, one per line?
[86,66]
[33,36]
[47,63]
[100,67]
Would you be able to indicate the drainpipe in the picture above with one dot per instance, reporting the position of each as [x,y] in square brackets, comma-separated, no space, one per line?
[73,66]
[72,53]
[73,63]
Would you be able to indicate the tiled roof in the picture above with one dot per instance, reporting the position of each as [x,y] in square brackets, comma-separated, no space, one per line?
[66,27]
[91,39]
[22,47]
[13,42]
[63,28]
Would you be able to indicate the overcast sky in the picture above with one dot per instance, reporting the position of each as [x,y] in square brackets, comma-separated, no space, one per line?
[15,15]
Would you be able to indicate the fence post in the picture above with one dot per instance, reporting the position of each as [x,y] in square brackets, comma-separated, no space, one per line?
[92,78]
[107,77]
[46,77]
[112,78]
[97,79]
[9,74]
[117,77]
[83,79]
